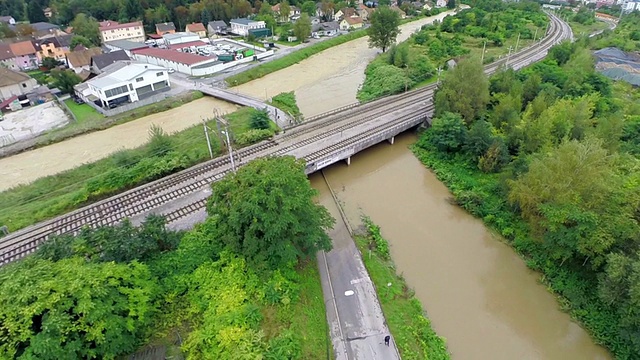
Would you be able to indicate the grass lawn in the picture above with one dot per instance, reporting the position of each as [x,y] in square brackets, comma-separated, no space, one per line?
[83,112]
[407,321]
[39,75]
[580,29]
[492,52]
[54,195]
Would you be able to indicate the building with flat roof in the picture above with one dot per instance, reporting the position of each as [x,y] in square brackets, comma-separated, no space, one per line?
[179,38]
[242,26]
[113,30]
[125,45]
[183,62]
[126,81]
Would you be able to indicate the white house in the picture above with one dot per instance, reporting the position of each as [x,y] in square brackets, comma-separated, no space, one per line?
[242,26]
[128,81]
[630,6]
[113,30]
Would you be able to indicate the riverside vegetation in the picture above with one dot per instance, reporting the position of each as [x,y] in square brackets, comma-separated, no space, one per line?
[548,157]
[414,62]
[161,156]
[407,322]
[243,284]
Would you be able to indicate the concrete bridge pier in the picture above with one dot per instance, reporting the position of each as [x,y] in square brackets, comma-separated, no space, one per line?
[391,141]
[348,160]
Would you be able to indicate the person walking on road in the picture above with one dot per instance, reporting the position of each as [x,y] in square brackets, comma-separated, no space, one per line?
[387,339]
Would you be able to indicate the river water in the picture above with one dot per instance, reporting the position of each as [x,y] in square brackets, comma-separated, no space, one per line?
[478,293]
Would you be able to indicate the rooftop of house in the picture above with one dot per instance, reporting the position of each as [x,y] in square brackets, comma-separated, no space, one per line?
[5,52]
[168,26]
[325,26]
[82,57]
[6,19]
[64,40]
[113,25]
[172,55]
[37,44]
[22,48]
[126,44]
[43,26]
[103,60]
[9,77]
[217,24]
[122,71]
[348,12]
[176,36]
[196,27]
[242,21]
[353,20]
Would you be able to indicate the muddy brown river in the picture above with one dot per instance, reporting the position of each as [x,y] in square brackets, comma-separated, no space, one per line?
[477,292]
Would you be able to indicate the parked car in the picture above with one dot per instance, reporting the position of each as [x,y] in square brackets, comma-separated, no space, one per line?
[78,101]
[171,71]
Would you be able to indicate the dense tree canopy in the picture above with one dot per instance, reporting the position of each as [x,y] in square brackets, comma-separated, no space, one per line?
[86,27]
[384,29]
[466,81]
[266,212]
[302,28]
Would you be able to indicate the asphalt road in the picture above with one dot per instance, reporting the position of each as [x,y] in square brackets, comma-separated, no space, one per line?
[356,323]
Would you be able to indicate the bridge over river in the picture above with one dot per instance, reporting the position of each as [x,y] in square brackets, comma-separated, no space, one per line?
[321,141]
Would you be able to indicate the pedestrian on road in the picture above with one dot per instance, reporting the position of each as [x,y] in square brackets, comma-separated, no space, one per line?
[387,339]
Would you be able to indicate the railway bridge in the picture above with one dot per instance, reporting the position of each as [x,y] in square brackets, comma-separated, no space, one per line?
[321,141]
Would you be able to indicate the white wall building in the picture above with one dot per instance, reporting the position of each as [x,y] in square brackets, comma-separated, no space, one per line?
[630,6]
[113,30]
[179,38]
[127,81]
[242,26]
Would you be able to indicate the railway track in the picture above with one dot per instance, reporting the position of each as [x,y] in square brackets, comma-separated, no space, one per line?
[144,198]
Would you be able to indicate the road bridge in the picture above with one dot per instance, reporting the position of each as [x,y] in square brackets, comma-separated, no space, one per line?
[320,141]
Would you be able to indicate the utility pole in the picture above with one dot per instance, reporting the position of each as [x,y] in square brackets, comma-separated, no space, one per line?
[517,43]
[226,133]
[535,34]
[483,50]
[206,134]
[506,63]
[439,70]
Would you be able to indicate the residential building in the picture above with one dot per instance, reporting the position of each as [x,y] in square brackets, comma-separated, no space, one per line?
[325,29]
[351,23]
[441,3]
[344,13]
[630,6]
[100,62]
[314,20]
[294,12]
[182,62]
[127,81]
[7,59]
[50,47]
[80,60]
[42,29]
[113,30]
[320,13]
[218,27]
[48,13]
[179,38]
[126,45]
[400,12]
[242,26]
[14,83]
[25,55]
[8,20]
[364,12]
[197,28]
[165,28]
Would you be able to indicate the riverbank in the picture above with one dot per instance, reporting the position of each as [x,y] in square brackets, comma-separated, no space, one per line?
[162,155]
[88,120]
[407,321]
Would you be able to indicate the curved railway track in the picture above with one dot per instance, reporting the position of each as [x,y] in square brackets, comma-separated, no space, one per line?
[146,197]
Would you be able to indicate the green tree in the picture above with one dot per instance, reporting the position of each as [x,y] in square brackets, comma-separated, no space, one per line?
[5,31]
[35,13]
[132,10]
[80,40]
[71,309]
[451,4]
[65,80]
[260,120]
[50,63]
[309,7]
[86,27]
[574,195]
[447,133]
[285,11]
[302,28]
[269,20]
[466,81]
[267,212]
[479,138]
[384,29]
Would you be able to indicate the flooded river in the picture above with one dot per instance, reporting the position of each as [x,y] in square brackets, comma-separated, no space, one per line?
[478,293]
[327,80]
[30,165]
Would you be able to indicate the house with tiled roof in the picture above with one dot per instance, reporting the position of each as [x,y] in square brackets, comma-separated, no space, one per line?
[79,60]
[364,11]
[7,59]
[42,29]
[15,83]
[351,23]
[165,28]
[50,47]
[9,20]
[197,28]
[25,54]
[100,62]
[344,13]
[217,27]
[400,12]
